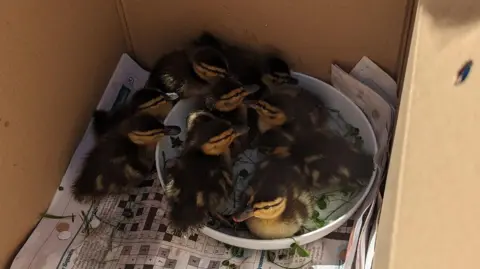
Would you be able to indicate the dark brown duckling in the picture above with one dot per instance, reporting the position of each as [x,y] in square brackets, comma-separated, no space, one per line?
[188,72]
[200,180]
[147,101]
[122,158]
[226,101]
[291,105]
[276,73]
[245,65]
[325,157]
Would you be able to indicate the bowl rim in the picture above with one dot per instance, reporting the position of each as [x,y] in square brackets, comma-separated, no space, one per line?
[273,244]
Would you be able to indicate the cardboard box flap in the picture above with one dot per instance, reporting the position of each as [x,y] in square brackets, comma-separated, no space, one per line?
[56,59]
[430,214]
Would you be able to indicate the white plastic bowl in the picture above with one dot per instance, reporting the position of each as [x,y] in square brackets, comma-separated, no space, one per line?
[334,99]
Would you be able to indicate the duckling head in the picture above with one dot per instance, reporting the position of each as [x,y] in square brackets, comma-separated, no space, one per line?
[277,72]
[273,110]
[228,94]
[275,142]
[266,202]
[152,101]
[146,129]
[210,134]
[209,64]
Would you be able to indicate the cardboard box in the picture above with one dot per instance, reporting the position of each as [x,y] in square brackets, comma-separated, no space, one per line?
[56,58]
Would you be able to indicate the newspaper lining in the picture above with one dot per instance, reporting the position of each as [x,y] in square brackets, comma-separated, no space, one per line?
[146,242]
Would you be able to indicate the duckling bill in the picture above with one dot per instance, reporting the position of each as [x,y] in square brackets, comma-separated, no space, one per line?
[122,158]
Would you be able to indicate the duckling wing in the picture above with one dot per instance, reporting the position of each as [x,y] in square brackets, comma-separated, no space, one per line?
[199,185]
[101,174]
[331,159]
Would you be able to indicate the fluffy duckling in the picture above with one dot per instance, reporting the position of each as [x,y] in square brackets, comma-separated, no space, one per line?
[199,181]
[245,65]
[226,101]
[277,73]
[147,101]
[188,72]
[122,158]
[326,158]
[279,201]
[289,105]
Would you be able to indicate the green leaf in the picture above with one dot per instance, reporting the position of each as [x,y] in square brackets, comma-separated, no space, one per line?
[315,214]
[225,263]
[271,256]
[232,266]
[319,223]
[321,203]
[302,252]
[299,250]
[237,252]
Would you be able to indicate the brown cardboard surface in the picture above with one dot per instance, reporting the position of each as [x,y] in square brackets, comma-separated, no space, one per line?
[55,60]
[314,33]
[430,216]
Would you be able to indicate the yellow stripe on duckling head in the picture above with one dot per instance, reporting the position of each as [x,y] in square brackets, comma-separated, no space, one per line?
[207,72]
[219,144]
[146,137]
[270,209]
[156,107]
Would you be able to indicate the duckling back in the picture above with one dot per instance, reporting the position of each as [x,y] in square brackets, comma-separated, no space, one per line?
[198,185]
[331,159]
[110,167]
[121,158]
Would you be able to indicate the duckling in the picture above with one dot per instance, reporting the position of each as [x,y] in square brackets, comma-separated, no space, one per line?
[148,101]
[326,158]
[245,65]
[277,72]
[122,158]
[188,72]
[291,105]
[226,101]
[279,201]
[200,180]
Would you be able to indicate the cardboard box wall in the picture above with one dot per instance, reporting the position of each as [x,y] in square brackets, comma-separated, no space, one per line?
[57,56]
